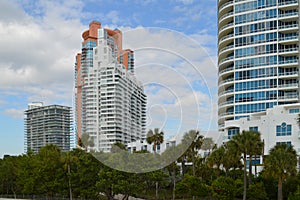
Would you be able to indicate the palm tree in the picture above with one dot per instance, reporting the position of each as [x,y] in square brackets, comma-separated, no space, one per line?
[257,149]
[280,163]
[231,158]
[246,144]
[155,137]
[193,141]
[216,158]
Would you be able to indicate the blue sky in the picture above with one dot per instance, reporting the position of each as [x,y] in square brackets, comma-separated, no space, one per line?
[39,40]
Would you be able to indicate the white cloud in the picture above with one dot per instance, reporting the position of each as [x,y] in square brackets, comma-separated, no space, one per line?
[15,113]
[186,2]
[169,64]
[39,54]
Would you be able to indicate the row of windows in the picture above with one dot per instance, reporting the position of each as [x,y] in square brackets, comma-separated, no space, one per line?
[258,27]
[256,39]
[294,110]
[254,5]
[251,51]
[256,73]
[250,108]
[256,96]
[254,85]
[250,17]
[255,62]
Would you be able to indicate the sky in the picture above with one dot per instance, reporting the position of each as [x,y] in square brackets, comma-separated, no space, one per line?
[175,44]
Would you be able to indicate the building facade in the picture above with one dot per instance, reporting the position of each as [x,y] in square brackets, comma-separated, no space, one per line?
[110,102]
[258,56]
[276,125]
[47,125]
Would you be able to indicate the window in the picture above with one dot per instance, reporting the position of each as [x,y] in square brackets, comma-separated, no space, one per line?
[253,128]
[294,110]
[232,132]
[288,143]
[284,130]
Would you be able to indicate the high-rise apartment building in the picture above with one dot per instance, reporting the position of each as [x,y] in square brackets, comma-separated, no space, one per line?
[110,102]
[47,125]
[258,56]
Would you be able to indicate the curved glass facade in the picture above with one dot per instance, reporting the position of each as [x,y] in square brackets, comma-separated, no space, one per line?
[258,54]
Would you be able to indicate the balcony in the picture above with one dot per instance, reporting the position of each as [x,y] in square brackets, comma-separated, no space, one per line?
[289,62]
[225,49]
[288,26]
[289,50]
[289,85]
[288,38]
[226,103]
[288,15]
[226,70]
[227,15]
[289,97]
[226,92]
[293,73]
[228,4]
[226,114]
[284,3]
[221,83]
[223,61]
[227,26]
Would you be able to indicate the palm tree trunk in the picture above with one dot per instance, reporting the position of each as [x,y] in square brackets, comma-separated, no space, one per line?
[193,160]
[280,189]
[174,183]
[156,190]
[245,178]
[70,186]
[255,166]
[250,170]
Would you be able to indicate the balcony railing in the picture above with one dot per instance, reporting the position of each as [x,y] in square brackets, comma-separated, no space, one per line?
[293,96]
[288,26]
[288,14]
[288,50]
[287,2]
[288,73]
[225,4]
[226,70]
[288,61]
[293,37]
[288,85]
[226,37]
[226,92]
[224,16]
[225,103]
[225,48]
[226,81]
[227,113]
[226,26]
[225,59]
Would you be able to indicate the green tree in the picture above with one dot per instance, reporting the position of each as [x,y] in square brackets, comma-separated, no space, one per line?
[192,186]
[86,141]
[231,158]
[215,159]
[224,188]
[118,147]
[246,143]
[9,173]
[193,141]
[281,163]
[257,191]
[155,137]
